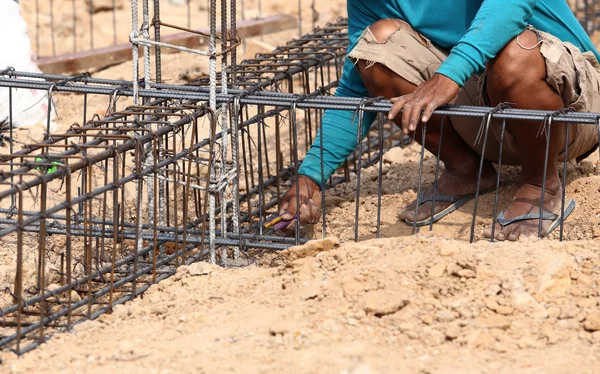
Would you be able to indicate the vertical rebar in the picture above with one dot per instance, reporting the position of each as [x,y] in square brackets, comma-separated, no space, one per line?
[379,174]
[420,176]
[10,144]
[548,130]
[157,51]
[481,161]
[235,158]
[294,125]
[497,192]
[19,272]
[358,160]
[224,121]
[564,183]
[134,50]
[436,174]
[212,48]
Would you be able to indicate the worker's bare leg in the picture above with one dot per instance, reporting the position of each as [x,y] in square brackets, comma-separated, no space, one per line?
[508,81]
[461,162]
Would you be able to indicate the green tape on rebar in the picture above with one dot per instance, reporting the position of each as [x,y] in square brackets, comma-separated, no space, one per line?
[50,169]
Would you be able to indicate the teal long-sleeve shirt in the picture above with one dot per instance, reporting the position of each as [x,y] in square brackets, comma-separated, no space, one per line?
[473,30]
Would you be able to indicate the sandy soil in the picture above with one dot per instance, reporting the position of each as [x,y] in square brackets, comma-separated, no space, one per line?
[424,304]
[411,305]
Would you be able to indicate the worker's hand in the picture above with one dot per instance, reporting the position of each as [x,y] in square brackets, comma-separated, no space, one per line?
[310,202]
[427,97]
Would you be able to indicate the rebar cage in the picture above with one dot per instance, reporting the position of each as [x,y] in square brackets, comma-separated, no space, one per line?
[171,174]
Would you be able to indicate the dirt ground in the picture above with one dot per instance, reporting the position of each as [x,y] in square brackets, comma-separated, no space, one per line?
[430,303]
[409,305]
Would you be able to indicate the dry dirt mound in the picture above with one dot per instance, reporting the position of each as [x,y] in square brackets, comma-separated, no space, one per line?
[415,304]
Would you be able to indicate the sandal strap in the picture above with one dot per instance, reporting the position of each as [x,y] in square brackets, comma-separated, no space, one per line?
[441,198]
[546,216]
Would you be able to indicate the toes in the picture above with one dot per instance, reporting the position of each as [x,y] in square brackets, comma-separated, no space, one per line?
[514,236]
[496,232]
[487,233]
[500,235]
[407,212]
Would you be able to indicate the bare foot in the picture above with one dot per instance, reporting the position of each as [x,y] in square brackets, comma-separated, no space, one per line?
[451,183]
[527,200]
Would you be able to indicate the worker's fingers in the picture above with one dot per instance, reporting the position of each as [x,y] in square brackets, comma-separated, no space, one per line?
[428,111]
[415,115]
[307,198]
[406,114]
[397,106]
[314,212]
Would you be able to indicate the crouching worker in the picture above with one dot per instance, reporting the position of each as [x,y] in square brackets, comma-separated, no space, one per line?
[424,54]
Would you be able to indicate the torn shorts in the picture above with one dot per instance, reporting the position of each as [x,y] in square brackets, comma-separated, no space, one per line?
[572,74]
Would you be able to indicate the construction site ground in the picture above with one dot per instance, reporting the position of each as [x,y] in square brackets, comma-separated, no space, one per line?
[431,303]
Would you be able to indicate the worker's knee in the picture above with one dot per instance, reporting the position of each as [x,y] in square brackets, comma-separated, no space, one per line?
[383,29]
[380,33]
[517,64]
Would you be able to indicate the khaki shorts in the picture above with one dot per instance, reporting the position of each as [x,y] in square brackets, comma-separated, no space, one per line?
[574,75]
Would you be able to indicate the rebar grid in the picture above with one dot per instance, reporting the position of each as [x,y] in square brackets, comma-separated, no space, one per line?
[116,244]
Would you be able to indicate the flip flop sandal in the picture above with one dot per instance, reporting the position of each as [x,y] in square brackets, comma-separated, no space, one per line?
[456,202]
[546,216]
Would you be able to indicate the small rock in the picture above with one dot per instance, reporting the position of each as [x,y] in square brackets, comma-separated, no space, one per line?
[311,249]
[587,303]
[493,290]
[484,272]
[445,316]
[126,347]
[500,309]
[492,322]
[380,303]
[585,280]
[200,268]
[75,297]
[311,291]
[504,310]
[553,337]
[432,337]
[394,156]
[452,332]
[467,273]
[437,270]
[426,319]
[158,309]
[570,311]
[527,342]
[406,326]
[491,304]
[574,275]
[449,250]
[278,329]
[592,322]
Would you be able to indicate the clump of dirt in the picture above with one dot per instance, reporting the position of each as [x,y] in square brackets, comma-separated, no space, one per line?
[414,304]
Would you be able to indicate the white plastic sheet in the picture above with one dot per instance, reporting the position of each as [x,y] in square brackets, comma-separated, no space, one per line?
[29,107]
